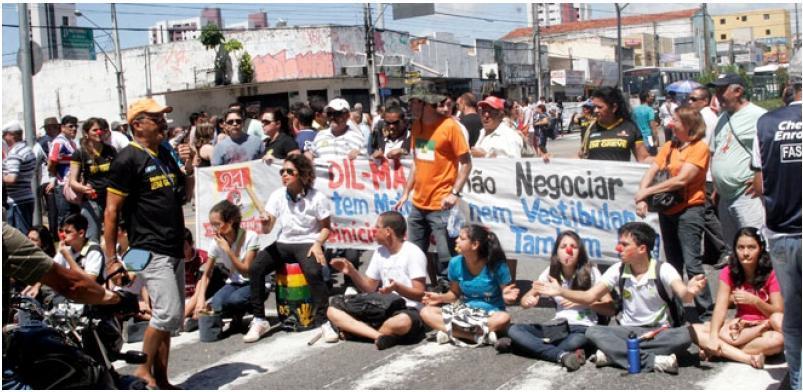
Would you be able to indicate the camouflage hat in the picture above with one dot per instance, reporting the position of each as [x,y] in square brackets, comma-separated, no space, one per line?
[426,92]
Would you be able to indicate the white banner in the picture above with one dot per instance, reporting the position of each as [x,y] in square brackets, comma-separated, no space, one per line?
[525,202]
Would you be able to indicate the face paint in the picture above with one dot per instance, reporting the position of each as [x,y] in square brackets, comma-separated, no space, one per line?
[61,236]
[619,248]
[570,250]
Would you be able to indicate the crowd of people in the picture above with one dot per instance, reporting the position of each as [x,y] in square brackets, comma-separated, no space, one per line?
[727,182]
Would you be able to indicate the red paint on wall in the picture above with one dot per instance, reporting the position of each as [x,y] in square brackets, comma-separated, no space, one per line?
[269,68]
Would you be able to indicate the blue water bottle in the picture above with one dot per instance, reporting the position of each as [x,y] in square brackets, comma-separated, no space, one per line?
[633,354]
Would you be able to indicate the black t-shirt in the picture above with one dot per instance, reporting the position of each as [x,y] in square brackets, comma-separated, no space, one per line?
[95,169]
[280,146]
[152,208]
[614,144]
[473,125]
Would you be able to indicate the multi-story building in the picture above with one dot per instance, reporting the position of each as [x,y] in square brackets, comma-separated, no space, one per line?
[190,28]
[763,26]
[54,29]
[557,13]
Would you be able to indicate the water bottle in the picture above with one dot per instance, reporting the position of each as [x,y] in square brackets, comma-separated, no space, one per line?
[633,354]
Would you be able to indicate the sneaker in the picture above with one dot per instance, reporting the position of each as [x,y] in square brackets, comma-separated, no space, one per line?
[190,324]
[386,341]
[350,291]
[329,333]
[442,337]
[601,359]
[581,356]
[491,339]
[503,345]
[666,364]
[570,361]
[257,330]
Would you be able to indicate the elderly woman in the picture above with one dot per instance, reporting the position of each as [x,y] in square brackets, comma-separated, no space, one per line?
[686,157]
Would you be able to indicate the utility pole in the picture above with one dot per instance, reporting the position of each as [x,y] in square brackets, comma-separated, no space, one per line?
[26,71]
[655,43]
[731,56]
[119,59]
[706,40]
[369,58]
[619,43]
[537,49]
[797,27]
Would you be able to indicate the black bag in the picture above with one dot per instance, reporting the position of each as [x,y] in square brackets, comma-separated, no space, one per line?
[552,128]
[370,307]
[677,314]
[555,330]
[662,201]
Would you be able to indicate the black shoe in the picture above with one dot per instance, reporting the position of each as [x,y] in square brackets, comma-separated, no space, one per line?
[386,341]
[503,345]
[570,361]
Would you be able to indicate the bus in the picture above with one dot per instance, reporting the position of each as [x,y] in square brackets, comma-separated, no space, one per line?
[655,79]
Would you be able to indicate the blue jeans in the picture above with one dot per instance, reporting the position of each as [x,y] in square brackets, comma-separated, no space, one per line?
[63,207]
[232,299]
[682,235]
[93,212]
[528,340]
[20,216]
[785,253]
[421,224]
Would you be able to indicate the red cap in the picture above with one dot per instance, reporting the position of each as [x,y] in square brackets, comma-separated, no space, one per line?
[494,102]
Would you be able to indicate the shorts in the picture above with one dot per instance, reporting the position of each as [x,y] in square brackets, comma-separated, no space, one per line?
[164,278]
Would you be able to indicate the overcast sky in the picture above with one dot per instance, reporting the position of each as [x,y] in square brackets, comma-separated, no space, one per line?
[505,17]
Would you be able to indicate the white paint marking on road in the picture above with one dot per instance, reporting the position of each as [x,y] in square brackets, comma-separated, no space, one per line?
[265,357]
[739,376]
[393,373]
[536,377]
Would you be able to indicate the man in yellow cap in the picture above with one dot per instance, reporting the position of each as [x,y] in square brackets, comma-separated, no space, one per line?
[148,185]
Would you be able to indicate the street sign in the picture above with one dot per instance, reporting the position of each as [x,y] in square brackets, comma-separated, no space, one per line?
[412,77]
[36,54]
[78,43]
[412,10]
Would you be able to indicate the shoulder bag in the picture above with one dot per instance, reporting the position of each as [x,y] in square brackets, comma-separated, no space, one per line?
[664,200]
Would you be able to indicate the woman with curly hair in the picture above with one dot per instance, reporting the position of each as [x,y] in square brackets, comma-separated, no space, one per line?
[749,282]
[303,214]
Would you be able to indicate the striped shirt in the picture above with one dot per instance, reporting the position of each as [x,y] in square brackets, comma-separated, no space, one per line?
[20,162]
[327,146]
[61,152]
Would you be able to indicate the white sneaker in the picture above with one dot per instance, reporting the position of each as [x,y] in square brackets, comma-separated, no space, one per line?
[601,359]
[257,330]
[442,337]
[350,291]
[666,364]
[329,333]
[491,339]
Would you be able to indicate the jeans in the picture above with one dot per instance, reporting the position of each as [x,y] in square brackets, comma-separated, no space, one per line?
[714,245]
[232,299]
[63,207]
[785,253]
[20,216]
[93,211]
[612,340]
[742,211]
[271,259]
[52,211]
[421,224]
[682,235]
[528,340]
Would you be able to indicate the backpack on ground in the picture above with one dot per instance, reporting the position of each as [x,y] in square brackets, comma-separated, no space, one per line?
[373,308]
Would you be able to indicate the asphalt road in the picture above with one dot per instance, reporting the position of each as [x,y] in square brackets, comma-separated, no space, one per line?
[283,360]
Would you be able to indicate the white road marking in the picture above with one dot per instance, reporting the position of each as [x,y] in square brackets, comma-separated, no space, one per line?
[399,367]
[538,376]
[739,376]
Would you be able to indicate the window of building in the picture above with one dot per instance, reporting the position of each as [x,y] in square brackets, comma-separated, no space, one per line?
[744,18]
[723,36]
[766,16]
[722,21]
[767,32]
[65,20]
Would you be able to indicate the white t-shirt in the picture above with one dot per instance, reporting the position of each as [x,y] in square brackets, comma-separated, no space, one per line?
[92,260]
[504,141]
[407,264]
[118,141]
[328,146]
[710,119]
[298,220]
[581,315]
[250,242]
[642,306]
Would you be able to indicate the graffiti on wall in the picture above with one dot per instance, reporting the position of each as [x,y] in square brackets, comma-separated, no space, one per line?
[272,67]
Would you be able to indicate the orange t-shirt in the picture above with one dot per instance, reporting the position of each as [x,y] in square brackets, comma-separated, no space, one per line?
[697,154]
[436,150]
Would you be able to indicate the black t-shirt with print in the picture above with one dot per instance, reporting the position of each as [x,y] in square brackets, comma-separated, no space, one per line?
[614,144]
[280,146]
[95,169]
[152,207]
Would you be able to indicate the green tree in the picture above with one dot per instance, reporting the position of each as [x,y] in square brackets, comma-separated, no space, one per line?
[211,36]
[246,68]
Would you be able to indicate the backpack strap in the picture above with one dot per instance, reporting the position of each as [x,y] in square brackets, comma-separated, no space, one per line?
[620,294]
[90,247]
[659,284]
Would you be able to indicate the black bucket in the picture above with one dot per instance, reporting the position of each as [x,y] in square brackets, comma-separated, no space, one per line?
[210,327]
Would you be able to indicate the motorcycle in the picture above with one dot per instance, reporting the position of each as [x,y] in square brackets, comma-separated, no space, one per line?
[71,346]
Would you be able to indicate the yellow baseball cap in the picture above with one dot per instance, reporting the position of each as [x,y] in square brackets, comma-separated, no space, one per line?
[146,105]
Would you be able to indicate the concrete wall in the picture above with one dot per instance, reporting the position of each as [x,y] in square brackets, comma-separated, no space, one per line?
[88,88]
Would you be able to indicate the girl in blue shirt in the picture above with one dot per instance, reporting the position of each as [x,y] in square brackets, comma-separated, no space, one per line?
[480,280]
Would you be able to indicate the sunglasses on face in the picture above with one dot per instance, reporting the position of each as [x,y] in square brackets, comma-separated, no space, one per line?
[234,121]
[71,125]
[333,113]
[288,171]
[393,123]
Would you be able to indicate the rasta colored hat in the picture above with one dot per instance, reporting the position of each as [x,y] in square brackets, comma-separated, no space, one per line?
[426,92]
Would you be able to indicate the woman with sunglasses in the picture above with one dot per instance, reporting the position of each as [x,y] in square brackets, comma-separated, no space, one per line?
[303,214]
[89,173]
[280,141]
[239,146]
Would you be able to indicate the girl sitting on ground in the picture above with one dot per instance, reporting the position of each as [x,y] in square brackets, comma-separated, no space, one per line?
[569,265]
[480,286]
[749,282]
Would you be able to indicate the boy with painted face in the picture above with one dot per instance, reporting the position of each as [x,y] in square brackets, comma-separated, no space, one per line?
[643,310]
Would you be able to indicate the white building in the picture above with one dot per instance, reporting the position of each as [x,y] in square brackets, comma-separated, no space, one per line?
[558,13]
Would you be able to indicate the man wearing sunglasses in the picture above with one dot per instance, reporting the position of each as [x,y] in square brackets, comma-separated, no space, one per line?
[239,146]
[58,164]
[341,139]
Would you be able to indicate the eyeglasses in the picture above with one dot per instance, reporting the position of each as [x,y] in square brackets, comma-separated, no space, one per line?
[267,122]
[490,112]
[234,121]
[71,125]
[332,113]
[393,123]
[159,119]
[288,171]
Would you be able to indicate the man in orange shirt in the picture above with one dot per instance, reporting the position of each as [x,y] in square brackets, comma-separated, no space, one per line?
[441,164]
